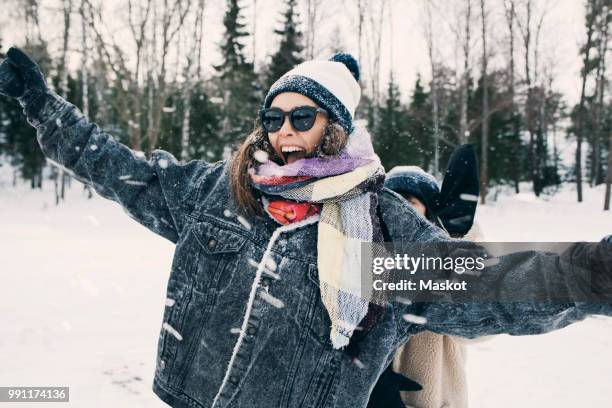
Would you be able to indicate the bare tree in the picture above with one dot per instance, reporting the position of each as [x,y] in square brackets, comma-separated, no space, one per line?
[254,31]
[172,18]
[484,162]
[609,176]
[376,22]
[431,50]
[84,73]
[510,14]
[137,28]
[526,29]
[598,108]
[465,77]
[586,64]
[194,50]
[313,17]
[361,9]
[59,176]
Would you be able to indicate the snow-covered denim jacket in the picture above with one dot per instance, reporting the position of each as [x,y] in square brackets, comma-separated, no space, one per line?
[218,348]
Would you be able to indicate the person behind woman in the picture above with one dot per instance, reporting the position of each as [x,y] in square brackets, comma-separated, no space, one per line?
[264,297]
[436,362]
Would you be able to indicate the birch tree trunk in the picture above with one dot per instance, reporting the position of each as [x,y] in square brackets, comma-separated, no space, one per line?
[485,111]
[585,73]
[431,49]
[510,20]
[463,121]
[84,73]
[60,176]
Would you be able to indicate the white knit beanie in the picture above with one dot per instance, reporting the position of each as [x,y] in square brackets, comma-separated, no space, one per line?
[331,83]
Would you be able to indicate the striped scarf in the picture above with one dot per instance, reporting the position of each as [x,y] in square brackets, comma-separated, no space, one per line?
[346,186]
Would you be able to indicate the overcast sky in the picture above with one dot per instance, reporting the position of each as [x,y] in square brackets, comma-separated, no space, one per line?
[404,51]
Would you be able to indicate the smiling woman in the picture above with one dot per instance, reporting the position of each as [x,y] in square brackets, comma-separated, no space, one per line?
[270,313]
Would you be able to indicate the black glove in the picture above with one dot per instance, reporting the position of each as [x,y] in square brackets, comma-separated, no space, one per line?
[386,392]
[10,82]
[21,78]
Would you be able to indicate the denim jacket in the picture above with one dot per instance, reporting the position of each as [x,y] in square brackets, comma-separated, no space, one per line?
[283,357]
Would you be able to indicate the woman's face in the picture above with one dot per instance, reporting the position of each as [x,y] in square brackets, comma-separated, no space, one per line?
[290,144]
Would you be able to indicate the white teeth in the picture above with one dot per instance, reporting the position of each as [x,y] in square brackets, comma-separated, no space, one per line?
[289,149]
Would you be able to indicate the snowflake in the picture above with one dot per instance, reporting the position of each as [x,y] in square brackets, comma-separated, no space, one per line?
[260,156]
[414,319]
[172,331]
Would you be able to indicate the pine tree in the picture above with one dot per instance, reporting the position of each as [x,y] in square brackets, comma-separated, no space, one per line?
[420,127]
[237,82]
[391,140]
[289,53]
[232,46]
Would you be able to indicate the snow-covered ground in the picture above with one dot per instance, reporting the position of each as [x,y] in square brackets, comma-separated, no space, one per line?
[82,292]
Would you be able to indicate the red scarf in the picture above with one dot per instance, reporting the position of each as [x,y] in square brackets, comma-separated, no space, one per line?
[287,212]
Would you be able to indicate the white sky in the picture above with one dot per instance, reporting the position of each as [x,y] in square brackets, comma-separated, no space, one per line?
[562,33]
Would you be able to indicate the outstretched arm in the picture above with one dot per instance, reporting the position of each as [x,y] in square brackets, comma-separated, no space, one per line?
[527,292]
[155,192]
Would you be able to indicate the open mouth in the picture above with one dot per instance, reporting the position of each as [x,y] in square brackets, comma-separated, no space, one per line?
[292,153]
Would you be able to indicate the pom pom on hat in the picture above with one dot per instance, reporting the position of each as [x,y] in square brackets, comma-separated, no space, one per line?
[349,61]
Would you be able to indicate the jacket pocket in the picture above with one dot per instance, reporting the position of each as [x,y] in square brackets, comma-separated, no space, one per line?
[218,254]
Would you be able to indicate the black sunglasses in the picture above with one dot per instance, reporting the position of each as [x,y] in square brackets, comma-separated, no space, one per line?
[301,118]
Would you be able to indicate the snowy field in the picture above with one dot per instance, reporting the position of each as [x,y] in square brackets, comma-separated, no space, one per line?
[82,296]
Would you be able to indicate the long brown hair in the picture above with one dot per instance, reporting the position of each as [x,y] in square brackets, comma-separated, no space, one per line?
[333,141]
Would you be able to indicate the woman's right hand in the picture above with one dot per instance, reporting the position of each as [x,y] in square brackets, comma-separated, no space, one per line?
[10,83]
[21,78]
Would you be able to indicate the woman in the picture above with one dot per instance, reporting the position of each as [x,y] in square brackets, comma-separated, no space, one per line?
[261,309]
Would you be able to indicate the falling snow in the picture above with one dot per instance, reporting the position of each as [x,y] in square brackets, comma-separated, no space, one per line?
[163,163]
[490,262]
[172,331]
[414,318]
[93,147]
[244,222]
[135,183]
[277,303]
[468,197]
[358,363]
[170,302]
[403,300]
[260,156]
